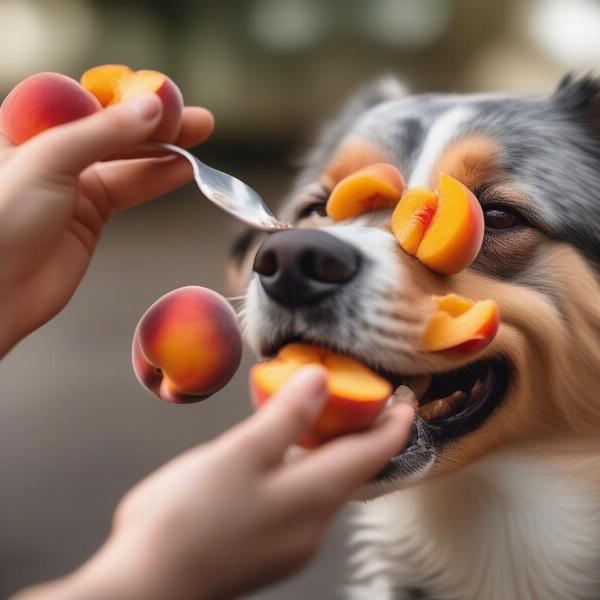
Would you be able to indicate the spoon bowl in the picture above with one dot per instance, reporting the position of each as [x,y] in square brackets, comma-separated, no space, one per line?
[230,194]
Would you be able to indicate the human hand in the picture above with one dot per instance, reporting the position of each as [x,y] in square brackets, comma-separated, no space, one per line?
[56,198]
[232,515]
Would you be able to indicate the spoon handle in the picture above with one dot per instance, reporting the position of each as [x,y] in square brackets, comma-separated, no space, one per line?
[230,194]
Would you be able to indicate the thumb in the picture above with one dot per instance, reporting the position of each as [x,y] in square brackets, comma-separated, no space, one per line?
[68,149]
[288,415]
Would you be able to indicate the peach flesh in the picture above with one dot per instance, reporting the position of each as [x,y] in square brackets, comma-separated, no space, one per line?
[101,81]
[374,187]
[356,394]
[43,101]
[187,345]
[461,327]
[443,230]
[113,84]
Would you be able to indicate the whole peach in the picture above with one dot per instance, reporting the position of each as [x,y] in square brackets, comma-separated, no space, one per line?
[187,345]
[42,101]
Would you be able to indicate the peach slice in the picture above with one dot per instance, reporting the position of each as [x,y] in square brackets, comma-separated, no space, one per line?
[374,187]
[43,101]
[187,345]
[101,81]
[444,230]
[356,394]
[461,327]
[112,84]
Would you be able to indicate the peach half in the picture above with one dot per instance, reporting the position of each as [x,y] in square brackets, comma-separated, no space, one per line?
[42,101]
[444,230]
[112,84]
[461,327]
[187,345]
[375,187]
[356,394]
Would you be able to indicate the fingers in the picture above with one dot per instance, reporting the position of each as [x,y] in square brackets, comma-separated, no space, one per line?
[5,143]
[70,148]
[287,416]
[128,183]
[197,124]
[131,182]
[337,468]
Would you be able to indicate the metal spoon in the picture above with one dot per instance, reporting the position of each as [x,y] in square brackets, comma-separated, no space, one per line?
[230,194]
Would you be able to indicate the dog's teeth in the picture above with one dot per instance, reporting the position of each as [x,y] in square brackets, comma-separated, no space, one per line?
[441,407]
[405,395]
[419,385]
[476,389]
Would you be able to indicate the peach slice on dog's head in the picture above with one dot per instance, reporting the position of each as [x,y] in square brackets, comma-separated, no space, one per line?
[375,187]
[356,394]
[461,327]
[113,84]
[443,230]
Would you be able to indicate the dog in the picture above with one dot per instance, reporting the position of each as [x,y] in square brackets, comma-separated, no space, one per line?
[499,498]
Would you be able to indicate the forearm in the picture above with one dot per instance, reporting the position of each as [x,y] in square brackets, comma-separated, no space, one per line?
[119,571]
[103,576]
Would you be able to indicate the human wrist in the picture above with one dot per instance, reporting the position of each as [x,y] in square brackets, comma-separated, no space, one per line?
[108,574]
[126,568]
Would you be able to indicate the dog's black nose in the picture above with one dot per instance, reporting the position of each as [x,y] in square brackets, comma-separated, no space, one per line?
[304,266]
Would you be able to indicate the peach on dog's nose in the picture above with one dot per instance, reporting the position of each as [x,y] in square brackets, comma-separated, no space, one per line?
[304,266]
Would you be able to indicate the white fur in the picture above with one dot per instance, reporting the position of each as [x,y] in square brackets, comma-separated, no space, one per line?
[512,526]
[444,129]
[379,295]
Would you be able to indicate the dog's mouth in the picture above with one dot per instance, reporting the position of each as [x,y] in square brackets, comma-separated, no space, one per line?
[448,405]
[456,402]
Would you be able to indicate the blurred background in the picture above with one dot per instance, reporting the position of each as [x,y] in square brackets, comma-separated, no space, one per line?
[76,430]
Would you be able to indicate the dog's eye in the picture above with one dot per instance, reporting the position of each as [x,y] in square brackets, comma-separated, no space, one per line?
[314,209]
[501,217]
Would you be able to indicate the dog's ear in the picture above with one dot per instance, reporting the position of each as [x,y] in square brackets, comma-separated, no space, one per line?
[579,97]
[383,89]
[379,91]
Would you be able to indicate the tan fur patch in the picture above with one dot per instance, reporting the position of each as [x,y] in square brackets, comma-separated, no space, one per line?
[471,160]
[354,154]
[555,351]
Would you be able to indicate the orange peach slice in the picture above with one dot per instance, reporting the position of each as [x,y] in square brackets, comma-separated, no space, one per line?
[356,394]
[101,81]
[461,327]
[43,101]
[374,187]
[112,84]
[187,345]
[444,230]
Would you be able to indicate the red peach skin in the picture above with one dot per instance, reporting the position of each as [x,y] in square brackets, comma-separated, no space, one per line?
[43,101]
[187,345]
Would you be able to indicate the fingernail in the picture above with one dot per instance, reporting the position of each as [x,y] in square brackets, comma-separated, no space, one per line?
[404,395]
[147,106]
[314,381]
